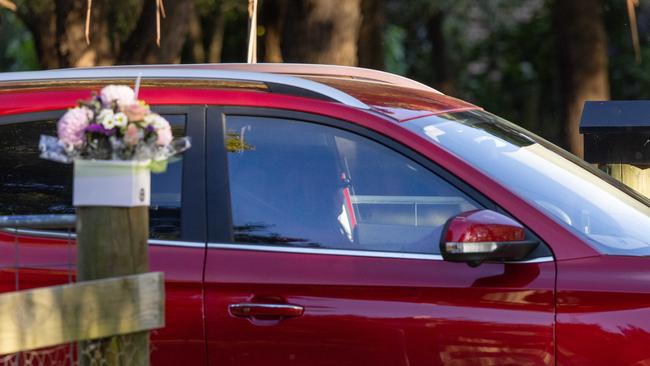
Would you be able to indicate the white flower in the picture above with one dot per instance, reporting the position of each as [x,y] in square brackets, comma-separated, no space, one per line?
[159,122]
[121,94]
[108,123]
[120,119]
[105,118]
[150,118]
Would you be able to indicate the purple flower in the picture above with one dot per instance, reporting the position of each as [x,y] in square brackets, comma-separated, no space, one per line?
[97,128]
[72,125]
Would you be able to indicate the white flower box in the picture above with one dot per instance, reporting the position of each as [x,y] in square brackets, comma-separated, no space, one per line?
[111,183]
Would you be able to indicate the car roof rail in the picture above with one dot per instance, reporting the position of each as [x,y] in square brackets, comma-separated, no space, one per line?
[283,84]
[323,70]
[315,70]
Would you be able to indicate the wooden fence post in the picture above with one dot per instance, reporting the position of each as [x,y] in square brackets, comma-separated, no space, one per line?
[112,241]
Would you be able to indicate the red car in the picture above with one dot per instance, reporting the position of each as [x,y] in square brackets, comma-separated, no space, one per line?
[339,216]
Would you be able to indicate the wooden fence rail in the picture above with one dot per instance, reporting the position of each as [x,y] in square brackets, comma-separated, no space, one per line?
[49,316]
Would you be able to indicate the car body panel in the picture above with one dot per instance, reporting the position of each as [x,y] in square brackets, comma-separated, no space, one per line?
[603,311]
[379,311]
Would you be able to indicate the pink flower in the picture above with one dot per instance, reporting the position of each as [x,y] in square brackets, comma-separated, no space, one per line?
[164,136]
[131,135]
[121,94]
[136,111]
[71,127]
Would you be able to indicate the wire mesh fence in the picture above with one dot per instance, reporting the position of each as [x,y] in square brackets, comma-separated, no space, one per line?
[39,251]
[117,350]
[62,355]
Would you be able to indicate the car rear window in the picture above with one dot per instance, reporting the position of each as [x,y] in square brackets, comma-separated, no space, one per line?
[30,185]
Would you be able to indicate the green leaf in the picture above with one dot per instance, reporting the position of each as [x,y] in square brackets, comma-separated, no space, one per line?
[158,166]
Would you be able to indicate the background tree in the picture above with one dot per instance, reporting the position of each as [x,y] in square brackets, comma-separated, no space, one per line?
[121,31]
[370,50]
[322,31]
[273,17]
[531,61]
[583,61]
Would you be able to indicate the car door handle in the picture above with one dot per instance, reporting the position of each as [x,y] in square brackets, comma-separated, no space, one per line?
[252,310]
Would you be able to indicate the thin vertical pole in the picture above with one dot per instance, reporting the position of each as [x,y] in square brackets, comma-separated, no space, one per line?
[16,259]
[252,32]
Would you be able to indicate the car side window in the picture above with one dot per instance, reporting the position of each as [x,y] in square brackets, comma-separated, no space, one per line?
[32,186]
[302,184]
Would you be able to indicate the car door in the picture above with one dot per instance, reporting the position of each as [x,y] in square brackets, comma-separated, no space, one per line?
[324,250]
[36,258]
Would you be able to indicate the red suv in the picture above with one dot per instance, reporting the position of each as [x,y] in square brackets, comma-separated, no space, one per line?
[340,216]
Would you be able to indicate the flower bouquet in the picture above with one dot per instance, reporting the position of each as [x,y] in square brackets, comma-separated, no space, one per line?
[114,140]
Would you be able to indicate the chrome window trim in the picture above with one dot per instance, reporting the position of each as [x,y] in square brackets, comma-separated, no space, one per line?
[345,252]
[176,243]
[265,248]
[64,235]
[161,72]
[40,233]
[535,260]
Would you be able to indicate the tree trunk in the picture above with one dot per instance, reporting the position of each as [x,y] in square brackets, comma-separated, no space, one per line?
[58,28]
[195,40]
[443,80]
[40,19]
[141,47]
[70,32]
[215,44]
[582,59]
[371,34]
[322,31]
[273,15]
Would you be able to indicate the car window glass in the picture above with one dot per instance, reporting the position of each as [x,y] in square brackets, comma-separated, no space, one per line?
[166,188]
[607,214]
[32,186]
[300,184]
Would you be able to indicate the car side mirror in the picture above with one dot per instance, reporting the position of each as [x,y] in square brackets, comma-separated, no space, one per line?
[477,236]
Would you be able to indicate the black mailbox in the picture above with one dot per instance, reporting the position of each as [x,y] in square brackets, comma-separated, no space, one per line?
[617,132]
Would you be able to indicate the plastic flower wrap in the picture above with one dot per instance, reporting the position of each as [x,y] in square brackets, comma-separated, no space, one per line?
[113,125]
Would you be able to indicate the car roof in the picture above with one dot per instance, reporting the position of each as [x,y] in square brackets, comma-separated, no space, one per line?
[391,95]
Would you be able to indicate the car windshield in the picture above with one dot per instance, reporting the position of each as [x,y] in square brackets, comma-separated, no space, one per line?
[611,217]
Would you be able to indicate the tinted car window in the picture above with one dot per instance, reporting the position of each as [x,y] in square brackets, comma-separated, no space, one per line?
[294,183]
[607,214]
[30,185]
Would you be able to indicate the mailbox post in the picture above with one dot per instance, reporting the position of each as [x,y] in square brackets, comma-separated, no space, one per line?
[617,139]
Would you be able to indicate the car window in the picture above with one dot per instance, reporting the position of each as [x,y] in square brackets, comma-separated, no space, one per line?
[30,185]
[295,183]
[610,217]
